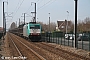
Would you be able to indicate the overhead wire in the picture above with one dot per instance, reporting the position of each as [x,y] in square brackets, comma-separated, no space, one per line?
[10,13]
[39,2]
[18,8]
[28,9]
[30,6]
[42,5]
[47,3]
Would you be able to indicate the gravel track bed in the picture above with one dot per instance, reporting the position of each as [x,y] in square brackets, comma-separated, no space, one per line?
[53,51]
[58,52]
[79,53]
[13,50]
[25,51]
[46,54]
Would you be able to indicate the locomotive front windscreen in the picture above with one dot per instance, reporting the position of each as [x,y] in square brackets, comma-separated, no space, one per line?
[35,27]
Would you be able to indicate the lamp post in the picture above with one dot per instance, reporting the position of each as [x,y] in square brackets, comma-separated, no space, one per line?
[67,22]
[75,28]
[49,27]
[49,22]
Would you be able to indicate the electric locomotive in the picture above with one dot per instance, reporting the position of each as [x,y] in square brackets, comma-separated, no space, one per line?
[32,31]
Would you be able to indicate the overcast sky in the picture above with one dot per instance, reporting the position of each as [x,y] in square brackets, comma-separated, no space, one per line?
[57,9]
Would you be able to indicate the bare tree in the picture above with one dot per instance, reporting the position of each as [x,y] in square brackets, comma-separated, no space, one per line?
[52,26]
[45,27]
[84,25]
[87,24]
[13,25]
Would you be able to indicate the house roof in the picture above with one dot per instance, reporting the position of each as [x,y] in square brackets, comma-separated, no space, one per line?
[63,23]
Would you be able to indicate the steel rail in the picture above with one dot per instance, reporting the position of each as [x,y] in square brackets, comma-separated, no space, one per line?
[38,55]
[16,47]
[71,53]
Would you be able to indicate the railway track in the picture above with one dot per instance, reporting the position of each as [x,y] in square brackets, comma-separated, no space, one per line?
[46,54]
[24,50]
[56,51]
[15,52]
[19,53]
[52,50]
[68,55]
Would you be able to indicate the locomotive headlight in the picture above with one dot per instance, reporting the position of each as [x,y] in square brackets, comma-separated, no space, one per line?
[31,34]
[38,33]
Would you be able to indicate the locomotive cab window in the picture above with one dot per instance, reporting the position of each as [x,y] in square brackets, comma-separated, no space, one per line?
[35,27]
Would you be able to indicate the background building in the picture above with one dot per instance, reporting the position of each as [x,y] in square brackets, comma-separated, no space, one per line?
[61,26]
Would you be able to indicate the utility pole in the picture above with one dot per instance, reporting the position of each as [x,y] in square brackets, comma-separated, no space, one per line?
[66,25]
[34,18]
[5,24]
[75,30]
[19,21]
[35,12]
[16,24]
[24,18]
[3,21]
[49,22]
[49,27]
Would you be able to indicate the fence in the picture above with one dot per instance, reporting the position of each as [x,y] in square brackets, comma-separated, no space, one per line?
[83,39]
[1,34]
